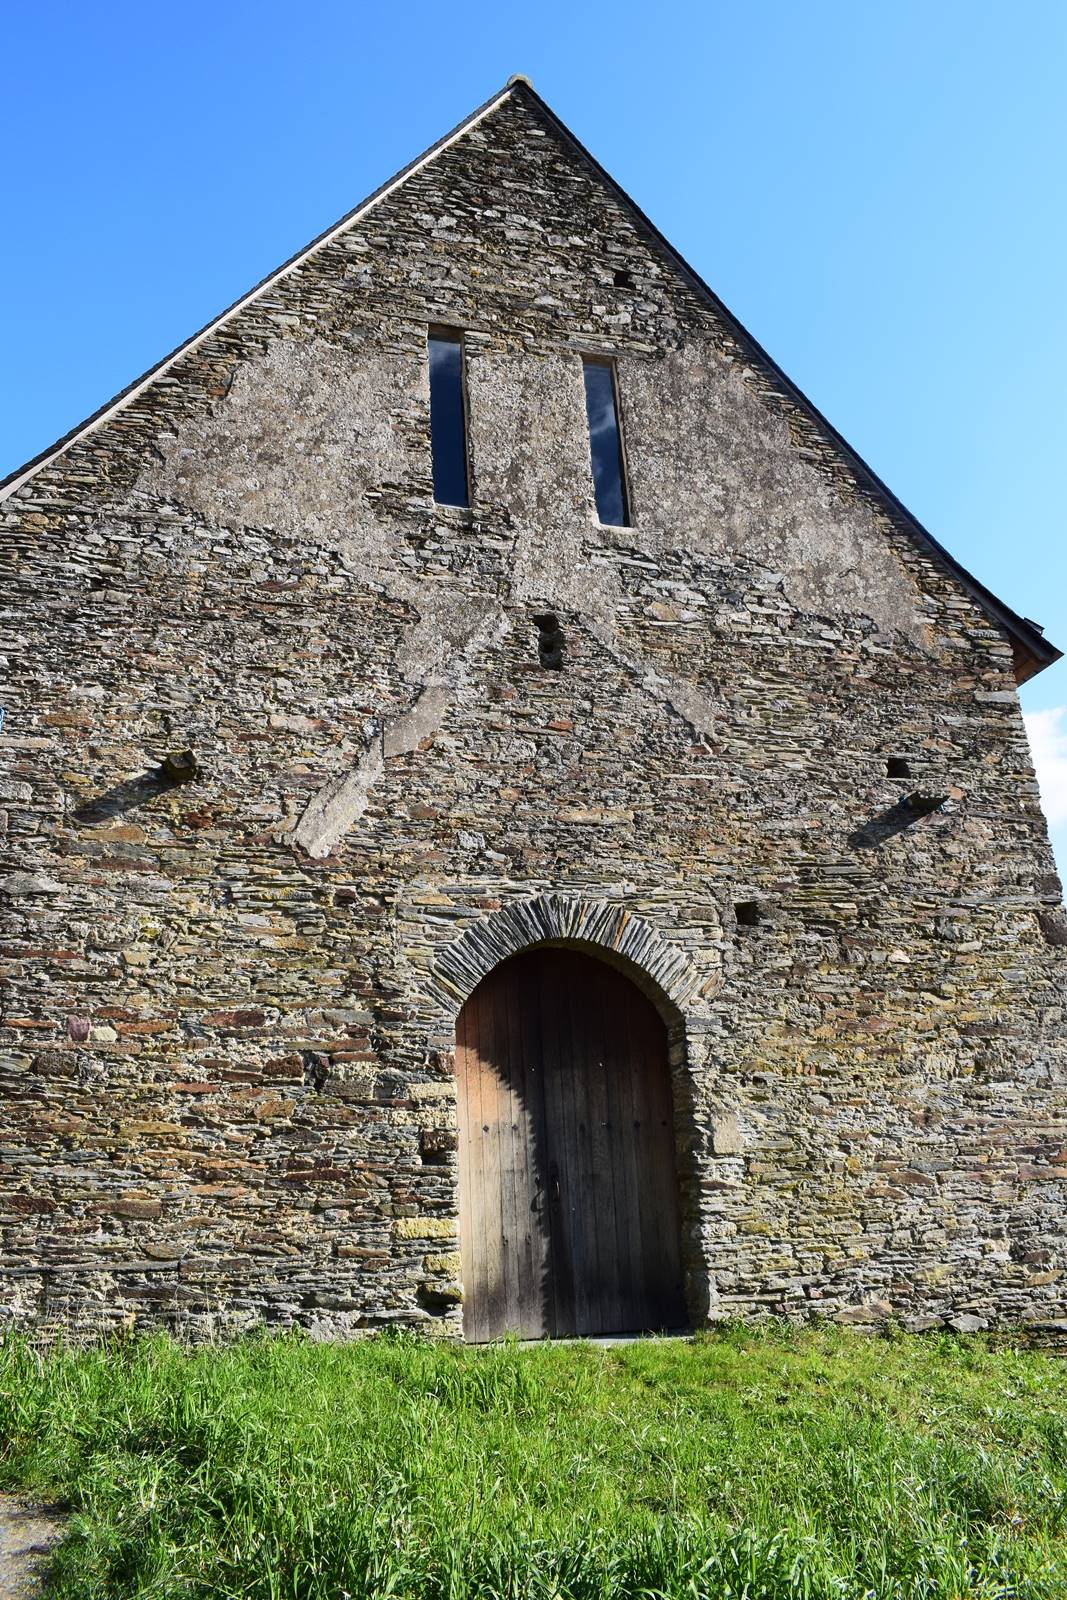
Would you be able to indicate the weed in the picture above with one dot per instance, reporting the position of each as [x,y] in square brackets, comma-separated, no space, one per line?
[765,1463]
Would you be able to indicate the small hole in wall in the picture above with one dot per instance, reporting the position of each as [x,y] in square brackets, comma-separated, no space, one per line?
[624,279]
[316,1070]
[748,913]
[549,641]
[897,767]
[437,1146]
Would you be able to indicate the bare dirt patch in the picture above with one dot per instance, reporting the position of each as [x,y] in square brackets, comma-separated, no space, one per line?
[28,1532]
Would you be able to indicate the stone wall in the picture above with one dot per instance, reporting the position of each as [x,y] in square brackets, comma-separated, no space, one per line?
[228,1003]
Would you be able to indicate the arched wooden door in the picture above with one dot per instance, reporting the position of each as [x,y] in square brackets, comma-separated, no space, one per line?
[568,1188]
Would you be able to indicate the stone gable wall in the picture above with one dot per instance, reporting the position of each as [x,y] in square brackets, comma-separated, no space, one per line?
[228,1005]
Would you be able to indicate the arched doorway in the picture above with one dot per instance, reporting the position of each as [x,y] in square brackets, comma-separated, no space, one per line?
[568,1187]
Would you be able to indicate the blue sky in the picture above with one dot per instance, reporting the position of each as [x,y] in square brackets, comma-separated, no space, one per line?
[879,191]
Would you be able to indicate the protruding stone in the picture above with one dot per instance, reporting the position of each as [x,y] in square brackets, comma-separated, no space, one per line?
[181,766]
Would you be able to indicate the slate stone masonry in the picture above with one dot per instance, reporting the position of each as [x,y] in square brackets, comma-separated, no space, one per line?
[284,773]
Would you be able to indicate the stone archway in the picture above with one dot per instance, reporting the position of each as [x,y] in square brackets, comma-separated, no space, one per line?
[666,975]
[659,967]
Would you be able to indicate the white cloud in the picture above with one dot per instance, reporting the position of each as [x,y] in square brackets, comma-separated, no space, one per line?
[1048,745]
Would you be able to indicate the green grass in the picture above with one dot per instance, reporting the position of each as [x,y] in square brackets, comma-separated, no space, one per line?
[749,1463]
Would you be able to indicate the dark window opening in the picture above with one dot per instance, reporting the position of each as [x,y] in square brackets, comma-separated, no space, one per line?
[624,279]
[549,641]
[748,913]
[448,419]
[897,767]
[605,443]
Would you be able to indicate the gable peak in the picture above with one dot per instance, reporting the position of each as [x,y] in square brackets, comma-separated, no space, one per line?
[1032,651]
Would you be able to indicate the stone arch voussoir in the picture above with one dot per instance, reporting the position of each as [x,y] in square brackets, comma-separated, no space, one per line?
[556,918]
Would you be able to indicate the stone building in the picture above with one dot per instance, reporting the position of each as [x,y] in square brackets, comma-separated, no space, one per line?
[509,822]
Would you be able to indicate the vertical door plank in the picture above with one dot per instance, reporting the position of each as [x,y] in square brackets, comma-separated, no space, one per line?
[492,1200]
[560,1139]
[503,1061]
[583,1210]
[650,1226]
[482,1153]
[654,1231]
[467,1210]
[620,1066]
[528,1264]
[661,1232]
[472,1211]
[597,996]
[538,1297]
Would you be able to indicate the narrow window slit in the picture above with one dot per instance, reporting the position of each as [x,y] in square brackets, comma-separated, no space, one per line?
[549,641]
[448,419]
[605,443]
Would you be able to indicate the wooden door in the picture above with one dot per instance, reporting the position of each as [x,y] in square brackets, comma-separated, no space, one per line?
[568,1188]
